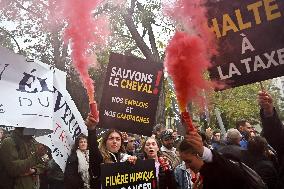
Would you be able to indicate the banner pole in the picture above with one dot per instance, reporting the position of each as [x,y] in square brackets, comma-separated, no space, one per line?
[261,86]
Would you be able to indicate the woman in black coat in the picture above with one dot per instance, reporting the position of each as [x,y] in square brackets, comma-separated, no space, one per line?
[76,175]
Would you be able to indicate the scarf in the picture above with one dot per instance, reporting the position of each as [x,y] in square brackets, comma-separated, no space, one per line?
[83,167]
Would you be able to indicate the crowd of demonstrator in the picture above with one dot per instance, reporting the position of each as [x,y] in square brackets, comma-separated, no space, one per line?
[196,160]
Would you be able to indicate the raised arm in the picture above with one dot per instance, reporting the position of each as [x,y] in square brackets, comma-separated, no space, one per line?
[273,129]
[95,157]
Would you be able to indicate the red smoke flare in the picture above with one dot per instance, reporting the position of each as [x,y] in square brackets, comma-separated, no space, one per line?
[193,17]
[186,62]
[188,53]
[84,32]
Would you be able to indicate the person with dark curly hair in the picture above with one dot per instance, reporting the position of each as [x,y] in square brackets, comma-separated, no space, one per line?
[76,175]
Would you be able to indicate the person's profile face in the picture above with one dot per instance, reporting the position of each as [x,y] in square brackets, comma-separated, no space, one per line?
[192,161]
[130,144]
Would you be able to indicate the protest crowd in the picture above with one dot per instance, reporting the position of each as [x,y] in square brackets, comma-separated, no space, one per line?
[243,158]
[120,144]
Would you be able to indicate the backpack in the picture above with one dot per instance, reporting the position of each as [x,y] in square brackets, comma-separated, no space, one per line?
[253,180]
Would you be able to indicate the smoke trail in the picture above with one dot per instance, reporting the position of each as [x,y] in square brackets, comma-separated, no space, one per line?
[188,53]
[192,15]
[186,64]
[84,32]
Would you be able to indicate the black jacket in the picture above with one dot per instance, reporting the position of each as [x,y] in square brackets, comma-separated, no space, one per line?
[273,131]
[265,169]
[95,160]
[72,178]
[167,179]
[222,174]
[232,151]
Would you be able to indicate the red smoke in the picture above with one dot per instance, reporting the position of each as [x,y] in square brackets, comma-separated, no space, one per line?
[188,53]
[186,63]
[192,14]
[84,32]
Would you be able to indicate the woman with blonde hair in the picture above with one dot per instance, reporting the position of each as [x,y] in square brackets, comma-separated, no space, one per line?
[110,150]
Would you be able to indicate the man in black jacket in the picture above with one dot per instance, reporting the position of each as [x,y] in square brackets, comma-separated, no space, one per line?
[273,129]
[215,170]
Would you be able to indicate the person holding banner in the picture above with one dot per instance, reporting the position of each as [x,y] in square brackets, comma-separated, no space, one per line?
[76,175]
[164,173]
[21,161]
[111,150]
[273,129]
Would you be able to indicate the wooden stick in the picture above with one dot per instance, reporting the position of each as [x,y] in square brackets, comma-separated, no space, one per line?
[261,86]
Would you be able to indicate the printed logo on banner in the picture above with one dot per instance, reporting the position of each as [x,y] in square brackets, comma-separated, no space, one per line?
[130,95]
[250,35]
[127,176]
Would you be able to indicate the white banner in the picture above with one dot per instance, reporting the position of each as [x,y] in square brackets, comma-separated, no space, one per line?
[26,97]
[68,125]
[34,95]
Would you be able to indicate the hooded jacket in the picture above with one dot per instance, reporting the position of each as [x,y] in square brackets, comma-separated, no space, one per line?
[17,156]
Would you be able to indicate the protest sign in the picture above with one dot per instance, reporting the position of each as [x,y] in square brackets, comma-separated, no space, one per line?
[130,95]
[26,98]
[68,124]
[34,96]
[250,36]
[128,176]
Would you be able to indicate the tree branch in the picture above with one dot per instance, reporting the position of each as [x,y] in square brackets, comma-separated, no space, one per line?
[14,39]
[122,35]
[19,5]
[136,36]
[147,23]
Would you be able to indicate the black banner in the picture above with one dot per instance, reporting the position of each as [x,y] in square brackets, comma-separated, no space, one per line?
[250,35]
[127,176]
[130,95]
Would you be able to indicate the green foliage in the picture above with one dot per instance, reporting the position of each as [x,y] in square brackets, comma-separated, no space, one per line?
[37,41]
[240,103]
[278,100]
